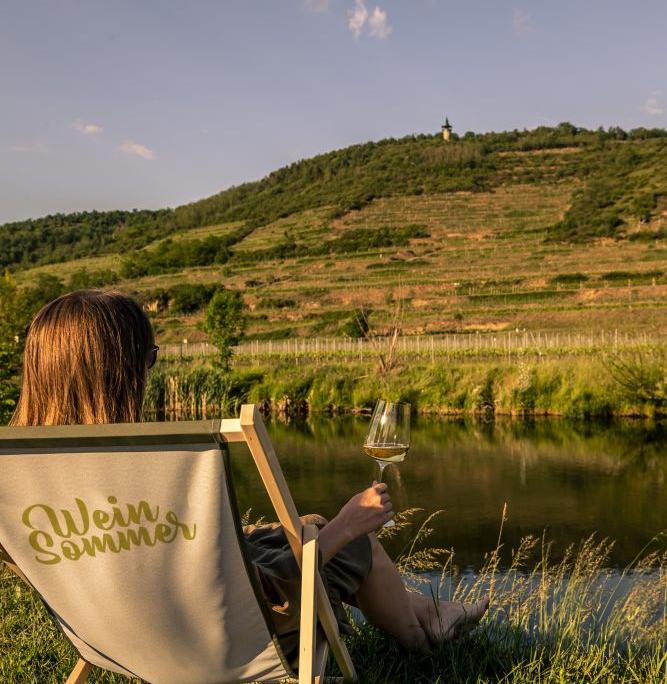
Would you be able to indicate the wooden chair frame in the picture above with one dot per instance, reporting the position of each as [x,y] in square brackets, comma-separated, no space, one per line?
[250,428]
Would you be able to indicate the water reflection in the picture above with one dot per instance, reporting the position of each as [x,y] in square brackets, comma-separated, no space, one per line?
[572,479]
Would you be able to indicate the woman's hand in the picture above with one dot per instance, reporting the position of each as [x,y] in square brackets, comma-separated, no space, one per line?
[367,511]
[363,513]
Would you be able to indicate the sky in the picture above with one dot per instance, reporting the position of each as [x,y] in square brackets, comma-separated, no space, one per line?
[121,104]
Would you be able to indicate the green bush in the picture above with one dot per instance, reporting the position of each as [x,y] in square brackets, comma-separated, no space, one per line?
[568,279]
[188,297]
[83,279]
[175,255]
[17,307]
[225,321]
[277,303]
[10,366]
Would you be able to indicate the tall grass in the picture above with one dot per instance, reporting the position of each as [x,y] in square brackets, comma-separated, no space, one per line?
[573,620]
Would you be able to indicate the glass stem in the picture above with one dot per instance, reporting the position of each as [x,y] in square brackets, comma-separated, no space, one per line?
[382,467]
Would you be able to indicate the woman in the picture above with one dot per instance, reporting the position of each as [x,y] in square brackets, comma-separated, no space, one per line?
[86,360]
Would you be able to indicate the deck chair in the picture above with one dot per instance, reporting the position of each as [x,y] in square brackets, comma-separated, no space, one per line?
[131,535]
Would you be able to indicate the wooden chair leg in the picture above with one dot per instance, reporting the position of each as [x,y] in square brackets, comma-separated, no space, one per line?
[80,672]
[321,663]
[308,626]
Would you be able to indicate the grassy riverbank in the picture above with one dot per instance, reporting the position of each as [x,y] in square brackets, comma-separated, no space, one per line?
[571,621]
[574,387]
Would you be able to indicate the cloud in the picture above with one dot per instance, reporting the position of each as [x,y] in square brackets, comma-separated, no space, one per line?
[377,21]
[30,146]
[87,128]
[652,106]
[522,23]
[356,18]
[134,148]
[317,5]
[379,26]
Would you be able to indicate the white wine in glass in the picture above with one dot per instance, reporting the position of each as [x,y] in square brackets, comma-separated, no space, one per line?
[388,437]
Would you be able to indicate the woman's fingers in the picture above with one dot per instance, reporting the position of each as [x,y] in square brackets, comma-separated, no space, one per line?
[385,497]
[388,506]
[379,487]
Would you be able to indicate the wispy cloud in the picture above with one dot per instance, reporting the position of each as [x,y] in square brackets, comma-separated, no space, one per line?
[521,23]
[30,146]
[138,150]
[87,128]
[377,22]
[317,5]
[652,106]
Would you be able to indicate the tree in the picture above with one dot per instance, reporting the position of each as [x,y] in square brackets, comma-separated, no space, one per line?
[225,322]
[47,288]
[10,362]
[12,320]
[17,308]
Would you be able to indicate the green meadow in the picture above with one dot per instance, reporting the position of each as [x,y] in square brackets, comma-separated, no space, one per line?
[549,622]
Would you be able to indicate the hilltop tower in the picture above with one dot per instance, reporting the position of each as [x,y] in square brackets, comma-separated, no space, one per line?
[446,130]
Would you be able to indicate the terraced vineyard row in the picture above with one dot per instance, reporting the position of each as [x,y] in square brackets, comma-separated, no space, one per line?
[485,265]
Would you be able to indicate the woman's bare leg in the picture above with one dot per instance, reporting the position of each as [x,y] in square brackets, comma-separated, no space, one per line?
[415,620]
[385,602]
[382,597]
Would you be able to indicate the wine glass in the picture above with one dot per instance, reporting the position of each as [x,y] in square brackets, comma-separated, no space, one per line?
[388,437]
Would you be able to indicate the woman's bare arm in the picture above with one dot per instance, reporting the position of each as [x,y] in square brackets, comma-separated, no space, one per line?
[363,513]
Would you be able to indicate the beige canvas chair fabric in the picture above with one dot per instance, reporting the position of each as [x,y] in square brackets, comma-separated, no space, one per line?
[130,536]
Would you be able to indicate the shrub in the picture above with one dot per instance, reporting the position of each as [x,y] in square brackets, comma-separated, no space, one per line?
[172,254]
[357,325]
[641,377]
[617,275]
[10,366]
[188,297]
[225,322]
[277,303]
[175,255]
[84,279]
[568,279]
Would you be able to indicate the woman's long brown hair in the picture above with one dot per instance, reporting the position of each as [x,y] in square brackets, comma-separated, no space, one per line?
[85,361]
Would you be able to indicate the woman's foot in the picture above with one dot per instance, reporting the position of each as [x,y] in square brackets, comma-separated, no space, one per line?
[446,620]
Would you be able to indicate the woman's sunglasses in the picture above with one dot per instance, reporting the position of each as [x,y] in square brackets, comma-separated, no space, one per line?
[153,356]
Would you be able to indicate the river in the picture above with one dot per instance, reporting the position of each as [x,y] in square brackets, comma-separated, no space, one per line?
[570,479]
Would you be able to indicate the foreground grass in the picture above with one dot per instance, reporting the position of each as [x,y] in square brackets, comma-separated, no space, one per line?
[551,622]
[555,622]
